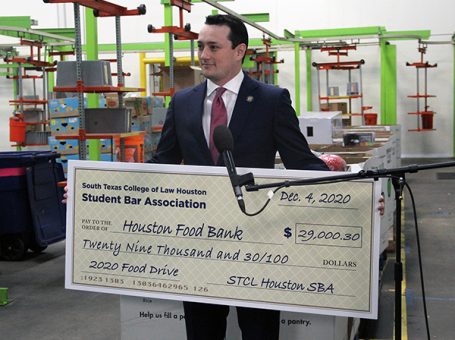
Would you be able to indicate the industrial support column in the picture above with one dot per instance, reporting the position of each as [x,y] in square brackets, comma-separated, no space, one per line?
[309,79]
[297,77]
[143,73]
[388,83]
[80,93]
[118,45]
[91,49]
[169,49]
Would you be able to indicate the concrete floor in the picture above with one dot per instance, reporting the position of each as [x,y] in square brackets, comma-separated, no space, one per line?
[40,307]
[435,213]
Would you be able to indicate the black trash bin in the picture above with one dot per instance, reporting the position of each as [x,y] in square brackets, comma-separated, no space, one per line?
[31,213]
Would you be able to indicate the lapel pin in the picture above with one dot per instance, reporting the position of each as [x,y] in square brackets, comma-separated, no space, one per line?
[249,99]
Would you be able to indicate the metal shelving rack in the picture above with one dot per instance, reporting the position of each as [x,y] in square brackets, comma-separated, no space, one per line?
[339,65]
[424,116]
[100,8]
[265,64]
[21,103]
[181,32]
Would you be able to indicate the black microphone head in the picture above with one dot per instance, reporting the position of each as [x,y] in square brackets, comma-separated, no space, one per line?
[222,138]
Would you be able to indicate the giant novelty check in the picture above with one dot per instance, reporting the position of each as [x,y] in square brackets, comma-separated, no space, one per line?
[176,232]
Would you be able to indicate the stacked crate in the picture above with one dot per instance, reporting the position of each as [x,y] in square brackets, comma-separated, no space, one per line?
[65,121]
[148,115]
[36,132]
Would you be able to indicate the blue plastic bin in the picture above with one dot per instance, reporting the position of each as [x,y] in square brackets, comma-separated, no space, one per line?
[31,213]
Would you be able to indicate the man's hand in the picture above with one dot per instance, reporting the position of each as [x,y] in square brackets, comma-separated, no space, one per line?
[381,205]
[65,194]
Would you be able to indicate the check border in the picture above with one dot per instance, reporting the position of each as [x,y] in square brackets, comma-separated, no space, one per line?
[75,166]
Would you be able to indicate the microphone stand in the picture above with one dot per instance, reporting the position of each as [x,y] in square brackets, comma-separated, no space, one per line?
[397,176]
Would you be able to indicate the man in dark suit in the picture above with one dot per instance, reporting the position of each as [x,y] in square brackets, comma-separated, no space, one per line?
[262,122]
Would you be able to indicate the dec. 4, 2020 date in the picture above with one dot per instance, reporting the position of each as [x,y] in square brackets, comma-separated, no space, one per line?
[310,198]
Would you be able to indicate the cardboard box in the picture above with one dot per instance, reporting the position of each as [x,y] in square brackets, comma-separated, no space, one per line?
[139,106]
[64,146]
[343,107]
[71,146]
[65,126]
[338,106]
[184,76]
[143,123]
[64,158]
[159,116]
[157,101]
[64,107]
[106,145]
[109,100]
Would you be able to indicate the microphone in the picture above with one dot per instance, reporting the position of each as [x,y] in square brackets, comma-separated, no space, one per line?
[224,143]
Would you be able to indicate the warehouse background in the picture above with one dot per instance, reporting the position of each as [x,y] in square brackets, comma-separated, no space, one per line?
[298,15]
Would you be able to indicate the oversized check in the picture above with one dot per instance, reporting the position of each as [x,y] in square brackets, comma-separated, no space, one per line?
[176,232]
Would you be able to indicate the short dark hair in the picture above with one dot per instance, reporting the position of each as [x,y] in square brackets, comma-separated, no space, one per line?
[239,33]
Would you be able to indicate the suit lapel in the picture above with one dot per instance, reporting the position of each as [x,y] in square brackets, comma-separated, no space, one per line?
[243,106]
[196,111]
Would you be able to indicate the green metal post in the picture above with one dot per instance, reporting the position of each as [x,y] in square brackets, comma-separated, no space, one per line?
[167,42]
[91,38]
[309,80]
[388,83]
[297,77]
[453,85]
[3,296]
[15,89]
[50,76]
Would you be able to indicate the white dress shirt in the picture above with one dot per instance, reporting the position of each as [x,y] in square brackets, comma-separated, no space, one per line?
[229,97]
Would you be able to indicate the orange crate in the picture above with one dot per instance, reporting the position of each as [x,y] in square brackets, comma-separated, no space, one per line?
[427,121]
[16,130]
[134,149]
[370,118]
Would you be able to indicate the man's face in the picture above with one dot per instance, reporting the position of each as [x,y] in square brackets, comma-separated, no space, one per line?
[219,61]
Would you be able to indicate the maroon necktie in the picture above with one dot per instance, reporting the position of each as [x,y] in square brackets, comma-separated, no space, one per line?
[218,117]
